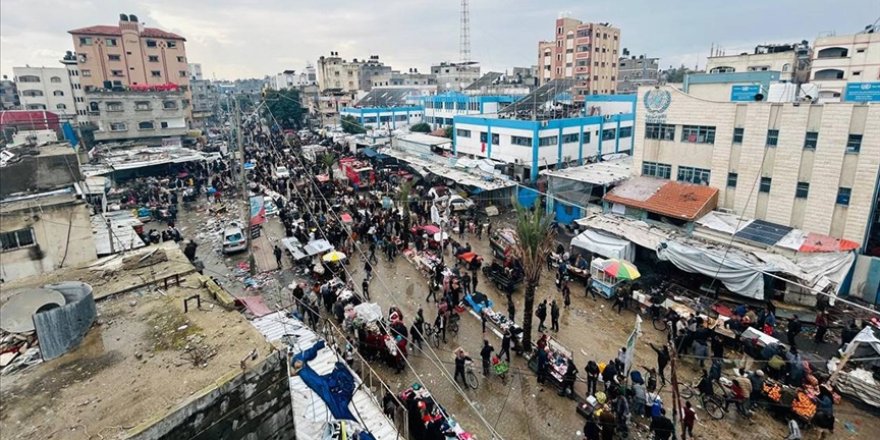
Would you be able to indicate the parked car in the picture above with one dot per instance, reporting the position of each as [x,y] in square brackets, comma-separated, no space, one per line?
[282,173]
[270,206]
[459,203]
[233,239]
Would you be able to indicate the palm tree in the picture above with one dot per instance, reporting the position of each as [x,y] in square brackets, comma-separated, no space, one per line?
[327,160]
[403,193]
[535,239]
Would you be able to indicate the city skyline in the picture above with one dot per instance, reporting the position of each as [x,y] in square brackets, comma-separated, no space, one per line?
[232,39]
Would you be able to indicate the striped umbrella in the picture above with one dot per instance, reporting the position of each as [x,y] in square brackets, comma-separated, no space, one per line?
[621,269]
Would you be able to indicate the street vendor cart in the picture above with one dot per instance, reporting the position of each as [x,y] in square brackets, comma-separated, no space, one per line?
[608,274]
[557,358]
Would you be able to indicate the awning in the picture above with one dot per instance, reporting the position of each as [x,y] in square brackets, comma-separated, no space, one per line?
[739,276]
[605,245]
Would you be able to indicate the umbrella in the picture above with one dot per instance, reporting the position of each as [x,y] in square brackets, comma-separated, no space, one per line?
[621,269]
[437,236]
[430,229]
[333,256]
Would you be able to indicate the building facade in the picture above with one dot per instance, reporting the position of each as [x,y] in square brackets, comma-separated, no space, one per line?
[370,71]
[839,60]
[338,75]
[205,100]
[635,72]
[454,76]
[147,116]
[586,52]
[46,88]
[8,94]
[790,60]
[385,117]
[440,109]
[410,78]
[195,71]
[813,167]
[290,79]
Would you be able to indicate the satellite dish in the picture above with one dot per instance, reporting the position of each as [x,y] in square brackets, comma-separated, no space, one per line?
[759,97]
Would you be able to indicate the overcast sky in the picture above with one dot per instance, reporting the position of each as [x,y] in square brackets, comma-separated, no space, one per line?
[246,38]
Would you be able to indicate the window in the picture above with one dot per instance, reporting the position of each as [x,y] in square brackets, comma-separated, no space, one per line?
[832,52]
[483,137]
[571,138]
[85,41]
[857,73]
[660,131]
[843,195]
[61,106]
[182,73]
[151,43]
[55,79]
[854,143]
[802,190]
[661,170]
[114,107]
[587,136]
[171,44]
[153,58]
[86,72]
[155,74]
[607,134]
[142,105]
[118,126]
[93,107]
[772,138]
[31,93]
[17,239]
[181,59]
[810,140]
[547,141]
[112,57]
[163,124]
[29,79]
[496,139]
[463,133]
[693,175]
[111,42]
[731,180]
[521,141]
[116,73]
[765,184]
[58,93]
[828,74]
[36,107]
[145,125]
[722,69]
[738,135]
[625,132]
[698,134]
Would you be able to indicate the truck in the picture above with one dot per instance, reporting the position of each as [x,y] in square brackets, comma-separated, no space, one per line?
[359,173]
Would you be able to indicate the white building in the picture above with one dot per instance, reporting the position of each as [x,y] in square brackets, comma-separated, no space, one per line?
[195,71]
[440,109]
[455,76]
[839,60]
[813,167]
[79,95]
[45,88]
[389,118]
[781,58]
[148,116]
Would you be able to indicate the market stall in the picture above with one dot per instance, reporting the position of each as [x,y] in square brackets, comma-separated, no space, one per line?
[608,274]
[427,419]
[557,359]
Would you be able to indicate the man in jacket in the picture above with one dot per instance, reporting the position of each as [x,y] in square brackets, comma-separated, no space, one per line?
[486,355]
[541,314]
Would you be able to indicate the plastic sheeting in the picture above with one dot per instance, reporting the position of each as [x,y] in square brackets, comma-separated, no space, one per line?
[818,270]
[605,245]
[741,277]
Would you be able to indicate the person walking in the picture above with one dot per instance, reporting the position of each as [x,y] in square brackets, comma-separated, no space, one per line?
[662,427]
[511,308]
[505,345]
[663,358]
[486,356]
[554,316]
[688,419]
[461,358]
[821,327]
[592,370]
[484,318]
[794,431]
[365,287]
[566,295]
[277,252]
[794,328]
[541,314]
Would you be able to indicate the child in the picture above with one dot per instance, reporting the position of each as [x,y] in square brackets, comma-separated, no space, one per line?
[690,417]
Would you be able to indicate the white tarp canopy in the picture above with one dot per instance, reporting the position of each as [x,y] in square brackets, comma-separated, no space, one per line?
[605,245]
[739,276]
[636,231]
[816,270]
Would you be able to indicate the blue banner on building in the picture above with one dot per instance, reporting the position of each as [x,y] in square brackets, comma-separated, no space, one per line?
[862,92]
[70,134]
[744,93]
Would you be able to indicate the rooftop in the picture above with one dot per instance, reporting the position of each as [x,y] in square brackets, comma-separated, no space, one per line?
[115,31]
[451,171]
[389,97]
[135,366]
[684,201]
[600,173]
[39,201]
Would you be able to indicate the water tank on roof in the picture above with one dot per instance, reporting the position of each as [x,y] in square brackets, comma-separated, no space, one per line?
[123,17]
[133,18]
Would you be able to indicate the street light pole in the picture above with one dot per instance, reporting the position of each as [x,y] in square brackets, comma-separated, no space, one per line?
[244,188]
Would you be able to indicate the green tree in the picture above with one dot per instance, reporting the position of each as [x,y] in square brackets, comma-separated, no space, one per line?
[447,132]
[403,193]
[286,106]
[421,127]
[351,125]
[328,159]
[535,239]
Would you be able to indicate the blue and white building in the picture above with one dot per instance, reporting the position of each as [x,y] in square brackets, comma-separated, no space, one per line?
[442,108]
[385,117]
[605,127]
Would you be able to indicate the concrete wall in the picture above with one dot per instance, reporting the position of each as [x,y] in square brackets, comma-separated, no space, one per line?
[39,173]
[157,113]
[253,405]
[53,81]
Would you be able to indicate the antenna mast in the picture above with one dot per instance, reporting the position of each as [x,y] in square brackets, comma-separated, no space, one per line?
[464,39]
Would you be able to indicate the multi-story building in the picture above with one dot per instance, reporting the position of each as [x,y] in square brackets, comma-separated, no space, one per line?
[205,99]
[455,76]
[146,116]
[808,166]
[634,72]
[790,60]
[290,79]
[338,75]
[410,78]
[839,60]
[585,52]
[369,71]
[8,94]
[130,54]
[195,71]
[440,109]
[79,98]
[46,88]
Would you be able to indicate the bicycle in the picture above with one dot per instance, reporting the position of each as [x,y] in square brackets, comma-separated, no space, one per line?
[453,323]
[715,406]
[470,377]
[433,336]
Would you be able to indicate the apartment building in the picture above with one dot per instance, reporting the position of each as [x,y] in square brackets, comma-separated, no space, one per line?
[455,76]
[338,75]
[635,72]
[410,78]
[289,78]
[791,60]
[205,100]
[8,94]
[586,52]
[45,88]
[808,166]
[147,116]
[195,71]
[843,63]
[79,98]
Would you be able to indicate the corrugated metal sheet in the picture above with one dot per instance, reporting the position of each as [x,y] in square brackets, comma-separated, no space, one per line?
[62,328]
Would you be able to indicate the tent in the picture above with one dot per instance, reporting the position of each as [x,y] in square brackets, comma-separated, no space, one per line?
[605,245]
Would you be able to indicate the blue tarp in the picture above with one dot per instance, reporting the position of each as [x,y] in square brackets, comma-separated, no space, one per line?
[478,301]
[527,197]
[369,152]
[336,389]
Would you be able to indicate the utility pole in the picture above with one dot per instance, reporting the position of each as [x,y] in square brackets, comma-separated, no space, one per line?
[676,397]
[244,188]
